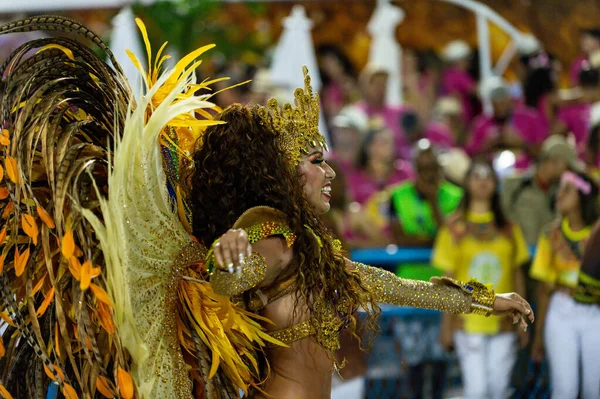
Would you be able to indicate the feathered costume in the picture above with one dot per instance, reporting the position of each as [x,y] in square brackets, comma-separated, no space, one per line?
[103,289]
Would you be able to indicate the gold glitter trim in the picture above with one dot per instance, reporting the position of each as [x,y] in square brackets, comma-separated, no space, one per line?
[266,229]
[482,295]
[293,334]
[231,284]
[388,288]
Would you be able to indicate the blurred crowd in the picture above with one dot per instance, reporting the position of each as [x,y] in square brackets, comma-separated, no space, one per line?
[483,189]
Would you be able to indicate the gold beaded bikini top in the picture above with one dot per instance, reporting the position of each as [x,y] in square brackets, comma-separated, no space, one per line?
[257,300]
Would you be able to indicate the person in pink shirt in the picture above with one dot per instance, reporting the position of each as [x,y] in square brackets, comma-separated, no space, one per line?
[377,166]
[447,128]
[339,80]
[574,117]
[437,133]
[456,80]
[589,42]
[373,82]
[540,85]
[516,129]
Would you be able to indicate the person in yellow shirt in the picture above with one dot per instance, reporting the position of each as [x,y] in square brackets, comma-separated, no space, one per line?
[478,240]
[568,331]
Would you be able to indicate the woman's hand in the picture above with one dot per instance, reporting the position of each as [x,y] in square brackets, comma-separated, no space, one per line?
[512,305]
[231,250]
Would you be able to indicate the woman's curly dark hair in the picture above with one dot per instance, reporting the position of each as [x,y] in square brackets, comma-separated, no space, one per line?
[239,165]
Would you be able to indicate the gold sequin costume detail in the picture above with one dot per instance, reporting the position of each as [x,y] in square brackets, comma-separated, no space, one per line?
[294,333]
[389,288]
[297,126]
[231,284]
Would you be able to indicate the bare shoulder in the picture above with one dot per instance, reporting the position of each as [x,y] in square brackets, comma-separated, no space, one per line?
[274,249]
[277,254]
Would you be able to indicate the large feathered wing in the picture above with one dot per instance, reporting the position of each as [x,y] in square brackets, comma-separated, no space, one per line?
[101,277]
[60,105]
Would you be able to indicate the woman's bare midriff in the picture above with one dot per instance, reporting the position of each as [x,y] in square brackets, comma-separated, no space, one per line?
[302,371]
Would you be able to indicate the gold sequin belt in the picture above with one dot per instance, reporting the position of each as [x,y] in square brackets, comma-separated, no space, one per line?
[294,333]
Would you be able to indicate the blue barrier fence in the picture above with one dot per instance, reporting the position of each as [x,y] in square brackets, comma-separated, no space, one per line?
[392,256]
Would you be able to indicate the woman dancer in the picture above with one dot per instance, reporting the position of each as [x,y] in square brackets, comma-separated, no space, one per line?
[307,288]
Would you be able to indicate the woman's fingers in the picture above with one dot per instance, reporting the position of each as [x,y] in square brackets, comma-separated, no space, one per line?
[223,256]
[231,250]
[241,247]
[524,308]
[227,258]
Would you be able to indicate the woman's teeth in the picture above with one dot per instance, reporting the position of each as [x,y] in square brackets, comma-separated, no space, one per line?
[326,190]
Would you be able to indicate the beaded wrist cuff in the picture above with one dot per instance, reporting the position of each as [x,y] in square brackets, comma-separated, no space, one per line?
[482,295]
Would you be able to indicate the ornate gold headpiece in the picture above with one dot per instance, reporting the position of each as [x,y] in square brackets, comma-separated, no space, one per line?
[297,127]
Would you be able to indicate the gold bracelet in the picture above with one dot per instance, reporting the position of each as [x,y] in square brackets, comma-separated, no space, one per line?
[483,297]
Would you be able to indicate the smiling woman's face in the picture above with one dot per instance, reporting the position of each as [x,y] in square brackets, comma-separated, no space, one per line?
[317,175]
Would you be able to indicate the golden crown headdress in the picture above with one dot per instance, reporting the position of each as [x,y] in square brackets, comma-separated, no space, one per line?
[297,127]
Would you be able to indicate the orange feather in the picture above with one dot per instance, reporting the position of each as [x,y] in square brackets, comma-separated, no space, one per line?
[125,384]
[30,227]
[103,386]
[49,298]
[12,171]
[100,294]
[21,261]
[4,392]
[44,216]
[68,244]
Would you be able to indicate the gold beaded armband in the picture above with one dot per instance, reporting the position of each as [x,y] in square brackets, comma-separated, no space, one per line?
[482,295]
[231,284]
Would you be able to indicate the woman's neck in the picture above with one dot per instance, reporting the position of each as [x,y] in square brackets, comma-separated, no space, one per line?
[575,221]
[480,206]
[378,170]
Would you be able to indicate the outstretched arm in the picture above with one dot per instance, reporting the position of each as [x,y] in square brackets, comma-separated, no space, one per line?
[443,294]
[391,289]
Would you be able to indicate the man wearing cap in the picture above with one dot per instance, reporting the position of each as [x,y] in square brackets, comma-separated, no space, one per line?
[349,129]
[447,129]
[516,129]
[456,80]
[528,198]
[373,84]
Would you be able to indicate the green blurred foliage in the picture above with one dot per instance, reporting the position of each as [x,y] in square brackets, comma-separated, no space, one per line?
[189,24]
